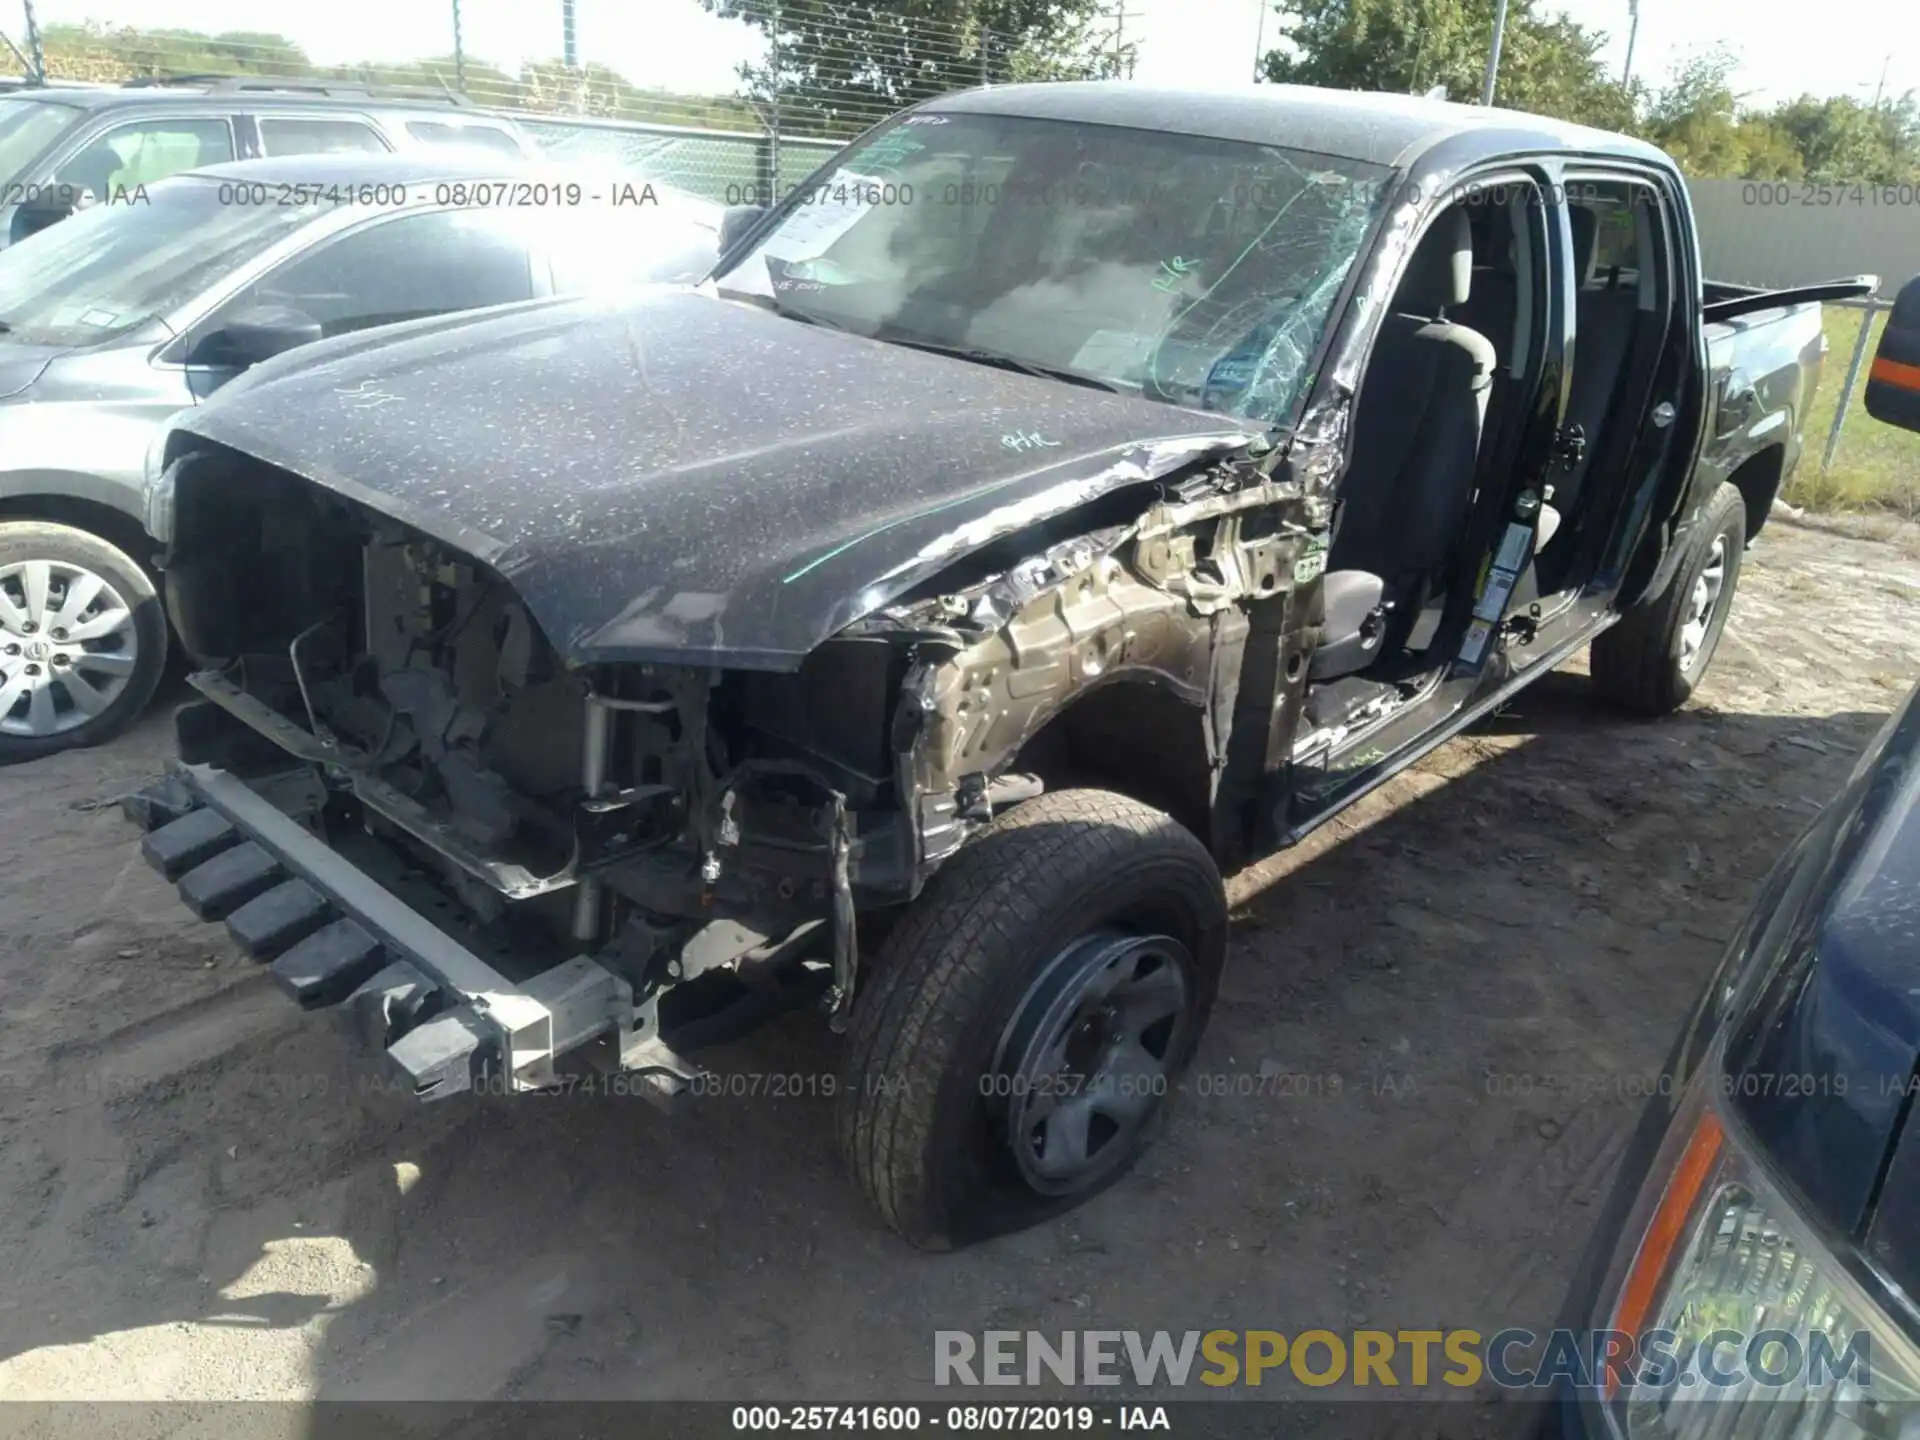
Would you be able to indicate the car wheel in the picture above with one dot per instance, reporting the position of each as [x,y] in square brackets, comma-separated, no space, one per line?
[1024,1023]
[83,641]
[1654,659]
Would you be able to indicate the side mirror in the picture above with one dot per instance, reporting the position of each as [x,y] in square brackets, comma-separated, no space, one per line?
[47,208]
[1893,385]
[250,336]
[735,221]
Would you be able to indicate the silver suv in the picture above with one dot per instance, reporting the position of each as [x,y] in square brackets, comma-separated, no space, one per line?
[58,141]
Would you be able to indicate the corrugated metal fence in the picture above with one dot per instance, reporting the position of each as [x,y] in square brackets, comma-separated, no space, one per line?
[1792,232]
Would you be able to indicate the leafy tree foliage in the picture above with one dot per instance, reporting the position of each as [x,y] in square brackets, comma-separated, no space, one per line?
[846,64]
[1549,64]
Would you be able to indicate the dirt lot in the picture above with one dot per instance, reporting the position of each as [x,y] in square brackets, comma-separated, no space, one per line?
[198,1198]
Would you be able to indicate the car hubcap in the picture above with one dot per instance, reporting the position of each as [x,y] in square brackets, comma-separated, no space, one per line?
[67,647]
[1703,604]
[1086,1059]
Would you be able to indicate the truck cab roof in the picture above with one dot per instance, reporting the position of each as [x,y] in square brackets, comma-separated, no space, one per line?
[1366,125]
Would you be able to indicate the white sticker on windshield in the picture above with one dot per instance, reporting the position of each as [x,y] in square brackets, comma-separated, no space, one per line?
[100,318]
[825,213]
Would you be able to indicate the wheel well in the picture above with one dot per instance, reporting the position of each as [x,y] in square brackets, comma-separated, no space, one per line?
[1133,737]
[1758,481]
[116,527]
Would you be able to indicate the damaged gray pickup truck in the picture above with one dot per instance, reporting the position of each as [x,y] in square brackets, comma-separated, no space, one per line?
[1071,491]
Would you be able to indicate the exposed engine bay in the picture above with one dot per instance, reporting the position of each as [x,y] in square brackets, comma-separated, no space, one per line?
[719,840]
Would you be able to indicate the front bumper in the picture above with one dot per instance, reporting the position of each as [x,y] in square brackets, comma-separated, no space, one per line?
[442,1020]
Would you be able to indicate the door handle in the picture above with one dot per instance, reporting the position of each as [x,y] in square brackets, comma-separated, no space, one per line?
[1663,414]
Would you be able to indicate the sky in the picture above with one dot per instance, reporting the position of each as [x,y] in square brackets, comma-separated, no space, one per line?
[675,44]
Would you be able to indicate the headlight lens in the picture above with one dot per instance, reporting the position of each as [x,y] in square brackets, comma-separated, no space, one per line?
[157,492]
[1770,1336]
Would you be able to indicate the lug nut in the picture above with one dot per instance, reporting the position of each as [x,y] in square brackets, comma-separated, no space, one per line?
[33,669]
[57,633]
[13,649]
[28,628]
[61,660]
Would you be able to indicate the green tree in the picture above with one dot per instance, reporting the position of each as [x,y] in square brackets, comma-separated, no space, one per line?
[1841,140]
[838,66]
[1549,63]
[1695,117]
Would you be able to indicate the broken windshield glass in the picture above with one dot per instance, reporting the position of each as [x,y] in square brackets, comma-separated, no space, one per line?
[1190,270]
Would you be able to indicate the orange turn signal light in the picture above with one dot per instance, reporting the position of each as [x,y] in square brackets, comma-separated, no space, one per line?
[1668,1227]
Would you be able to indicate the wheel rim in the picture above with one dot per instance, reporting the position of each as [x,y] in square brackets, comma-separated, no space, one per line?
[68,647]
[1088,1055]
[1703,605]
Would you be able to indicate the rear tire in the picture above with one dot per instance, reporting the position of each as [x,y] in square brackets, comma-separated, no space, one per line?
[1051,982]
[83,640]
[1654,659]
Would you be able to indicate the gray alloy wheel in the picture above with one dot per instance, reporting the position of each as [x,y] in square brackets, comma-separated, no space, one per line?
[1702,605]
[68,647]
[83,641]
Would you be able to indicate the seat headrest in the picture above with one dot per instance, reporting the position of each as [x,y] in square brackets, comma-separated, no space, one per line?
[1586,236]
[1441,271]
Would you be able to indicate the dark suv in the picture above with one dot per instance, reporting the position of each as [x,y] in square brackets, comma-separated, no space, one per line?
[58,140]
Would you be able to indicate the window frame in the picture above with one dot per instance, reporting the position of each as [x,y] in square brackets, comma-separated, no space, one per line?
[261,118]
[101,126]
[302,246]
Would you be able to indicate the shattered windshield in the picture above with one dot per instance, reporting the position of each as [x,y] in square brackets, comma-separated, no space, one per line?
[1195,271]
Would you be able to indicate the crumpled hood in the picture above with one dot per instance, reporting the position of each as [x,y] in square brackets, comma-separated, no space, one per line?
[677,477]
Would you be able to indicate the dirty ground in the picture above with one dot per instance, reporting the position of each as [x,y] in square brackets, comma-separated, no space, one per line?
[1437,1020]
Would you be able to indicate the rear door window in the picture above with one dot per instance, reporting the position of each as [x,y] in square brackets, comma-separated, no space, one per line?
[141,152]
[401,269]
[302,135]
[447,132]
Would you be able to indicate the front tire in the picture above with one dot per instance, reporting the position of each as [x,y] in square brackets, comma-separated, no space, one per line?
[1011,1053]
[83,641]
[1654,659]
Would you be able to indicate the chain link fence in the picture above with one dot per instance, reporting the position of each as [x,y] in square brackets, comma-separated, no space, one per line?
[793,88]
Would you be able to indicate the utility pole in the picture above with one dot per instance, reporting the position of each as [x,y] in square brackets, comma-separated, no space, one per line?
[1633,35]
[1881,89]
[1493,55]
[459,53]
[1120,17]
[36,55]
[569,41]
[1260,43]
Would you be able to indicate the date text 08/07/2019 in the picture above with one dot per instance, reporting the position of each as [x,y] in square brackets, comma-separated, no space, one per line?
[958,1419]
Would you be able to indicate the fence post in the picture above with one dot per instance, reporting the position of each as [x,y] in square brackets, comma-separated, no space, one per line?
[36,56]
[772,139]
[767,163]
[1871,309]
[459,53]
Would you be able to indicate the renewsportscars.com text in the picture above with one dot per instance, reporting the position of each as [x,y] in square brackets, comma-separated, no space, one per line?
[1375,1360]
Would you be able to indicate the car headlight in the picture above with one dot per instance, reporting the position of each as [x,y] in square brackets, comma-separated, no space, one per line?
[1763,1331]
[157,490]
